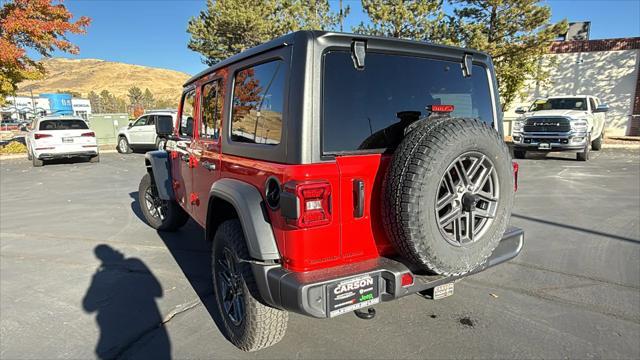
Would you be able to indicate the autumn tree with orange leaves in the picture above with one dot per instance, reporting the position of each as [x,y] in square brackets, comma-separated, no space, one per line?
[41,25]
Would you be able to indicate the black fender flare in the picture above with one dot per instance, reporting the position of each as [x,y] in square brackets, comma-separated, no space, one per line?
[247,201]
[158,164]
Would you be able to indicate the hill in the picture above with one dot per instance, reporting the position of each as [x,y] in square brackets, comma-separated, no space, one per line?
[85,75]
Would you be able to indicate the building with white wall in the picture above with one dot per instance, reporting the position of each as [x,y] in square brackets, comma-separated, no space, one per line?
[27,108]
[607,69]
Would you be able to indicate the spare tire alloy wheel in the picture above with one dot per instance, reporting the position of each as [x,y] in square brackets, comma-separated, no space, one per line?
[467,198]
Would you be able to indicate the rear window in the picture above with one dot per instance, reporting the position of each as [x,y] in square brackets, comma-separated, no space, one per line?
[369,109]
[63,125]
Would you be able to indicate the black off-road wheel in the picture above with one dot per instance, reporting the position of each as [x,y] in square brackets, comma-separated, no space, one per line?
[123,146]
[163,215]
[519,154]
[249,324]
[448,195]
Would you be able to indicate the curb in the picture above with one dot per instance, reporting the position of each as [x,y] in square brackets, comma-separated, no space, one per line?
[24,155]
[621,146]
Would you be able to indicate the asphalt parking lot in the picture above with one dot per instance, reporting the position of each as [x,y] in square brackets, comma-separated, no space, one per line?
[82,276]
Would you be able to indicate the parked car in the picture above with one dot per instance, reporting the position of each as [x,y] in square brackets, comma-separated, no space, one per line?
[560,123]
[56,137]
[141,133]
[333,172]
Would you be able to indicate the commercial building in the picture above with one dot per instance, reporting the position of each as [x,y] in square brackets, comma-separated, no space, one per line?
[27,108]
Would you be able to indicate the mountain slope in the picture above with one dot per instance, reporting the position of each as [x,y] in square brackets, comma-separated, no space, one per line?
[84,75]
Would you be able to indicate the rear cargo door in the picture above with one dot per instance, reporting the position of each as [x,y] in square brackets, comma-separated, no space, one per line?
[361,178]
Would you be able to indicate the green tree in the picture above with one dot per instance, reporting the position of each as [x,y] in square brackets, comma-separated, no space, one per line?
[148,101]
[227,27]
[408,19]
[516,33]
[110,103]
[96,104]
[74,94]
[135,96]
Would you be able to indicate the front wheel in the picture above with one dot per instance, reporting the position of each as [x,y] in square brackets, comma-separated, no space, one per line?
[584,154]
[123,146]
[249,324]
[163,215]
[596,144]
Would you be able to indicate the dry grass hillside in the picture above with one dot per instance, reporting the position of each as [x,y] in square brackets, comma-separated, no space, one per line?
[85,75]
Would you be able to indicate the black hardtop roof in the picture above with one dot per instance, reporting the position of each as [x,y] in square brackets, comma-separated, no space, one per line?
[290,38]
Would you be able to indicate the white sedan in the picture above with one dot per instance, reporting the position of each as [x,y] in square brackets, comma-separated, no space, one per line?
[61,137]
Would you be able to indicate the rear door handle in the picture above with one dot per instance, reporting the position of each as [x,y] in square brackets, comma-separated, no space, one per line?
[208,165]
[358,198]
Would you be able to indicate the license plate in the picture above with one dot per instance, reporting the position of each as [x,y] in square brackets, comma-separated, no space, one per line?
[67,140]
[442,291]
[544,146]
[353,294]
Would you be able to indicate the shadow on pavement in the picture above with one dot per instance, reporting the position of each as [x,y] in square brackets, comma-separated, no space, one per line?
[123,294]
[192,252]
[575,228]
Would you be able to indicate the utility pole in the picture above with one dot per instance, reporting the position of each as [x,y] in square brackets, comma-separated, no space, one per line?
[33,104]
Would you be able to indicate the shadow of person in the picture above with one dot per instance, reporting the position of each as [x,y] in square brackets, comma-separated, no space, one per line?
[123,294]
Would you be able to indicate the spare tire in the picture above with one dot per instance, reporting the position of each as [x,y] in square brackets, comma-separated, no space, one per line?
[448,194]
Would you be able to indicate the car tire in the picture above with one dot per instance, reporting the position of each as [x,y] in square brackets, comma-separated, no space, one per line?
[422,192]
[519,154]
[596,144]
[95,159]
[29,155]
[36,162]
[123,146]
[160,143]
[163,215]
[249,324]
[584,154]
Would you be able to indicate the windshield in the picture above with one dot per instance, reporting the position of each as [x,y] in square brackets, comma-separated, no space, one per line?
[68,124]
[560,104]
[370,109]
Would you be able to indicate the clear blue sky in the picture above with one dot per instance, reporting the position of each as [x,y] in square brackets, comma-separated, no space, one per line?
[153,33]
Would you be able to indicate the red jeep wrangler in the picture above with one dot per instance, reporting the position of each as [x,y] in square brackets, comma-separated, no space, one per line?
[334,171]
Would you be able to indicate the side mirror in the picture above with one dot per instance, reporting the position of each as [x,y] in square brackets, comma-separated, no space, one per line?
[521,110]
[130,124]
[601,108]
[164,125]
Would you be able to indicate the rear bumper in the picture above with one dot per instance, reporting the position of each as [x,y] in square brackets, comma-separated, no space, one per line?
[65,155]
[306,292]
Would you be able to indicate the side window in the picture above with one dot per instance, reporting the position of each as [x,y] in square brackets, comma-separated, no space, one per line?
[211,106]
[258,98]
[151,120]
[186,117]
[141,121]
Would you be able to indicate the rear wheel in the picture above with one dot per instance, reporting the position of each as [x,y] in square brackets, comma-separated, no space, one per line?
[448,195]
[123,146]
[36,162]
[164,215]
[160,143]
[249,324]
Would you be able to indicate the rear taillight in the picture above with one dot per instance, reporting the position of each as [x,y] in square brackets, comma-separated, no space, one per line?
[91,134]
[40,136]
[516,167]
[306,204]
[441,108]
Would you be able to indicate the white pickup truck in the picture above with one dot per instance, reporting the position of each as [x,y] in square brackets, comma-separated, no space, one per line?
[560,123]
